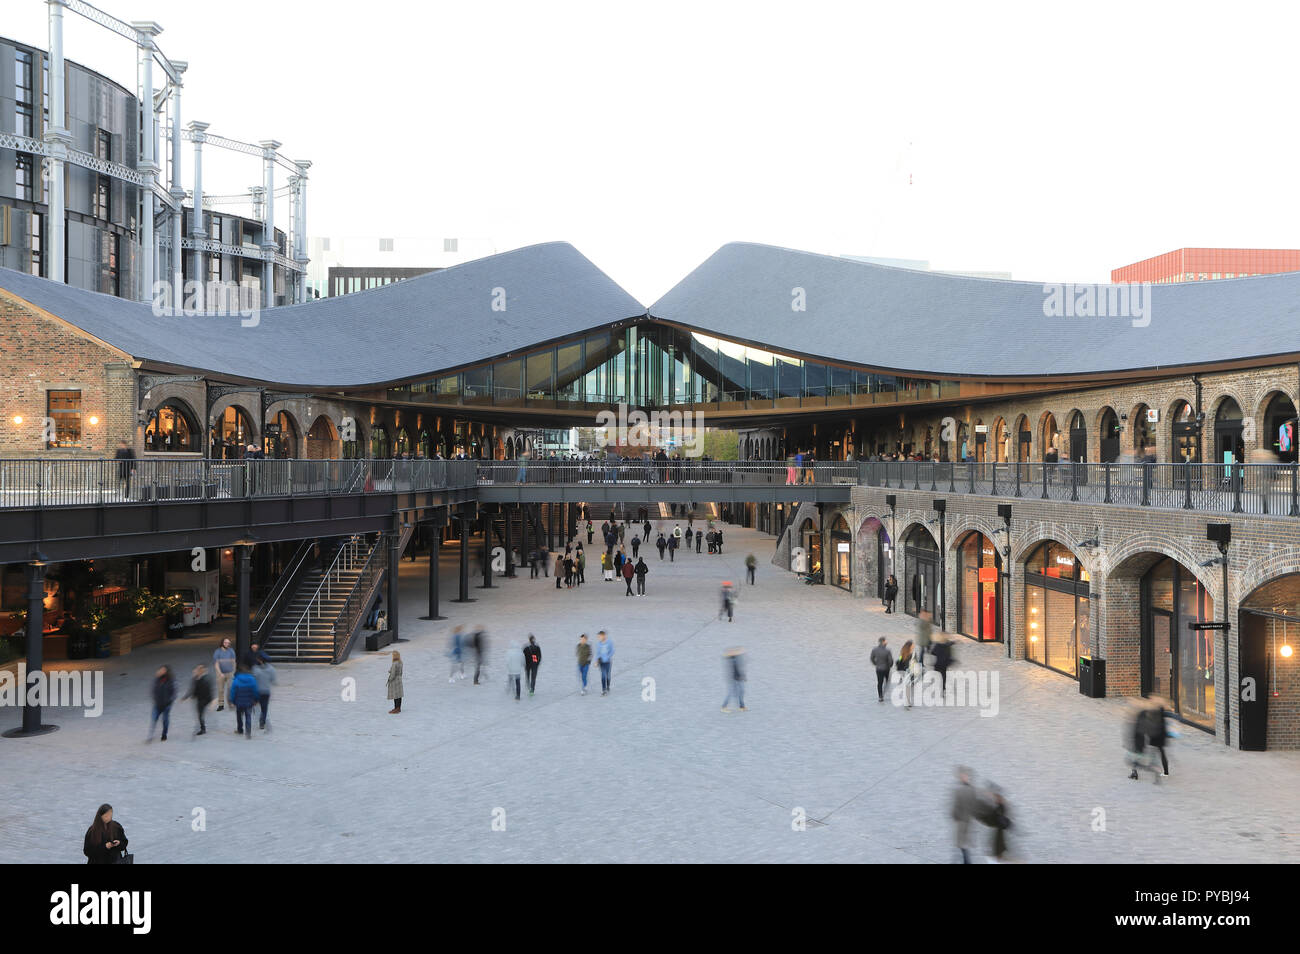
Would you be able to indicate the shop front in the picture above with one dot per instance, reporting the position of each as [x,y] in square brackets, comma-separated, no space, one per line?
[921,573]
[1178,661]
[841,555]
[1057,623]
[979,588]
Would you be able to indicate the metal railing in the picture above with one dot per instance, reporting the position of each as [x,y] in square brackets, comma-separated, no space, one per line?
[272,606]
[346,621]
[1212,488]
[347,559]
[664,472]
[66,482]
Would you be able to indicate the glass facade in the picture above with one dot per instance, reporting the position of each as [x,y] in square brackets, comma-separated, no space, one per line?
[1057,621]
[977,600]
[654,365]
[1179,661]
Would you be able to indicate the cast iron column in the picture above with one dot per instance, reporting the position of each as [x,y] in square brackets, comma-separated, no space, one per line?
[487,553]
[35,651]
[394,568]
[463,524]
[508,518]
[435,551]
[243,638]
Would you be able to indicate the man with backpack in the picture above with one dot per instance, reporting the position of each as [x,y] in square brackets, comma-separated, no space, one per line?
[532,659]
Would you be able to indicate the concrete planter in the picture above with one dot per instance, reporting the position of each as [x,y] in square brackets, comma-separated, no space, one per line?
[137,634]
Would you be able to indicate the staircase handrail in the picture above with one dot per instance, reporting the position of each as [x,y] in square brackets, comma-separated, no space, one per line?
[345,559]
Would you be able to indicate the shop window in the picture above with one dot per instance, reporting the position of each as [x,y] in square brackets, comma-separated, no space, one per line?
[64,409]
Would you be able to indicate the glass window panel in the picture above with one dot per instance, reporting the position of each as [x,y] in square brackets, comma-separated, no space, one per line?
[541,375]
[761,373]
[477,385]
[1059,630]
[841,381]
[731,360]
[568,372]
[508,381]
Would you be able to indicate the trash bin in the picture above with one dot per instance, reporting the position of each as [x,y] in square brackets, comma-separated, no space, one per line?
[1092,677]
[103,643]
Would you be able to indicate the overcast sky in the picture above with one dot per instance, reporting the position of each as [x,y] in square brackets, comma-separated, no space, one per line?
[1055,141]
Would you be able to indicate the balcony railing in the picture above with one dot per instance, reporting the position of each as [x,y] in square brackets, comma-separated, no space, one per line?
[1212,488]
[664,472]
[32,483]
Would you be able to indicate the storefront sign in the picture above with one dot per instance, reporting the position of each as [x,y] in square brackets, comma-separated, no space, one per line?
[988,574]
[842,547]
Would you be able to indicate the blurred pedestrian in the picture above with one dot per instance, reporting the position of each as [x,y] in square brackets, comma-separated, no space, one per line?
[605,657]
[904,667]
[997,816]
[584,660]
[965,806]
[733,661]
[201,692]
[457,654]
[395,685]
[728,601]
[478,640]
[264,673]
[751,566]
[164,694]
[942,660]
[514,668]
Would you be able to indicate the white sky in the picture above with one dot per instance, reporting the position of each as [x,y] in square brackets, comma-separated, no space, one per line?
[1054,141]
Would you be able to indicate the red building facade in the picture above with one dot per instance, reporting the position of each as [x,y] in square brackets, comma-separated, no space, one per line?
[1207,264]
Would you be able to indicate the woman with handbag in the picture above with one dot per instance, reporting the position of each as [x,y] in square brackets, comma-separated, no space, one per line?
[105,840]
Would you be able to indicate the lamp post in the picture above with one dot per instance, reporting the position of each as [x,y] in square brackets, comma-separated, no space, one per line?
[1221,534]
[33,684]
[891,501]
[941,508]
[1004,511]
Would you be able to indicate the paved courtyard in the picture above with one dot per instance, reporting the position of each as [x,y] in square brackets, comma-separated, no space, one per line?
[617,778]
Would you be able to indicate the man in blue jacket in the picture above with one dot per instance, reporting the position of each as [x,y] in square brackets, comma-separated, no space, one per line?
[243,696]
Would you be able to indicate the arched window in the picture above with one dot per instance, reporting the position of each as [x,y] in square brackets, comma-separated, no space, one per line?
[1057,621]
[1185,433]
[1078,437]
[1280,428]
[1049,441]
[281,437]
[322,440]
[172,427]
[380,445]
[1108,437]
[1144,435]
[231,434]
[920,581]
[1229,447]
[403,443]
[355,449]
[979,588]
[1178,661]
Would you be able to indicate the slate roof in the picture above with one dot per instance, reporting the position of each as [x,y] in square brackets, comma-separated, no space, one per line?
[906,320]
[400,331]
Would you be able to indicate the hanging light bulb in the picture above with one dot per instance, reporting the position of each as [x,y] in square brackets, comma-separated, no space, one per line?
[1285,651]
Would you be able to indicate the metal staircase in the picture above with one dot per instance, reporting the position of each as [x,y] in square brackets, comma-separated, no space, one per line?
[305,629]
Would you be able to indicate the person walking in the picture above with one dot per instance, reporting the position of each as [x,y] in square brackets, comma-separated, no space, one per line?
[645,535]
[636,545]
[532,660]
[904,667]
[924,637]
[568,570]
[223,665]
[641,570]
[201,692]
[965,806]
[699,541]
[717,540]
[661,545]
[478,639]
[942,660]
[264,674]
[514,668]
[997,816]
[584,660]
[105,842]
[590,533]
[628,572]
[243,696]
[395,685]
[559,569]
[690,534]
[728,601]
[883,660]
[605,656]
[1158,733]
[891,593]
[125,458]
[582,566]
[672,549]
[751,567]
[457,655]
[733,661]
[164,694]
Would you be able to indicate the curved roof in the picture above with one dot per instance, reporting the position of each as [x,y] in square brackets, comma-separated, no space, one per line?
[400,331]
[930,322]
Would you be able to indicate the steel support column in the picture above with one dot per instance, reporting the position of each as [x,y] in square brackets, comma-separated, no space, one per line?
[394,579]
[462,522]
[32,687]
[243,572]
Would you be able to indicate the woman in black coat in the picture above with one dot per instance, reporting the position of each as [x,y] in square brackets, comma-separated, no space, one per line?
[105,839]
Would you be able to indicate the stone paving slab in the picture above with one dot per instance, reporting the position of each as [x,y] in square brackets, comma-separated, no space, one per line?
[597,779]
